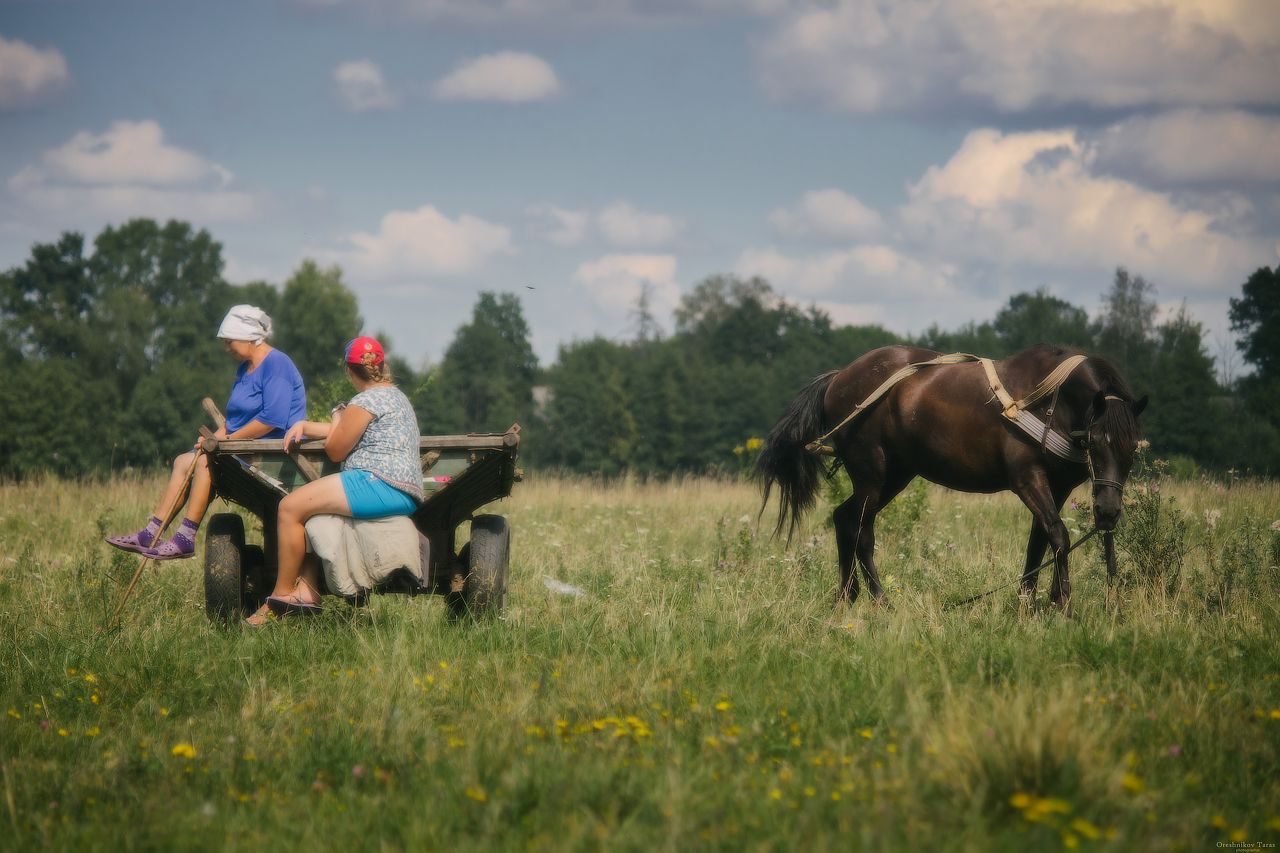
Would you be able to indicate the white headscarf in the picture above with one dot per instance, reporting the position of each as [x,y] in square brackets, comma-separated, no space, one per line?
[245,323]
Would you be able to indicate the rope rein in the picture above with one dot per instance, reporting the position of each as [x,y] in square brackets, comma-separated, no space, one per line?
[1025,575]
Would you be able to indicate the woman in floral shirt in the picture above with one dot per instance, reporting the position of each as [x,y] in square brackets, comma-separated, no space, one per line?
[375,436]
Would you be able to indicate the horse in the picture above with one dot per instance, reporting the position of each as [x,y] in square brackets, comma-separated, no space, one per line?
[953,424]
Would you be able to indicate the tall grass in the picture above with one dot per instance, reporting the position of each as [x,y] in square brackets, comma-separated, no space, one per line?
[703,692]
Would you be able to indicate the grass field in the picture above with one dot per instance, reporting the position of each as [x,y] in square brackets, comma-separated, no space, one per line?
[703,692]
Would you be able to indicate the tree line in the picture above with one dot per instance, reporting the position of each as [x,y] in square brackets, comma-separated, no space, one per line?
[111,349]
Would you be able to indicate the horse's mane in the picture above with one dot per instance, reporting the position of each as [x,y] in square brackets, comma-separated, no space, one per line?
[1118,421]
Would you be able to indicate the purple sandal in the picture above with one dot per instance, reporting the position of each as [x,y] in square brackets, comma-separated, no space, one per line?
[177,548]
[138,543]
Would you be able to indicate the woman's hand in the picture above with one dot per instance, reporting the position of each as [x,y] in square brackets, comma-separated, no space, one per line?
[295,434]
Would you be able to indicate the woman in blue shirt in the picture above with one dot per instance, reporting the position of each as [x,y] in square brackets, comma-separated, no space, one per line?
[267,398]
[375,436]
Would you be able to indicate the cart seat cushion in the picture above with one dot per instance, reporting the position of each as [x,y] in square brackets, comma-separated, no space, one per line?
[357,556]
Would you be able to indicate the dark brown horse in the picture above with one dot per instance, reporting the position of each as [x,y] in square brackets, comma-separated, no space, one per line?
[945,424]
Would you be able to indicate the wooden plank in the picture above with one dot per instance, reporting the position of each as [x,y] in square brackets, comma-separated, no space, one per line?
[426,442]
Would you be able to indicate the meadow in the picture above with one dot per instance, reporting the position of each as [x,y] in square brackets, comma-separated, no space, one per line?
[700,691]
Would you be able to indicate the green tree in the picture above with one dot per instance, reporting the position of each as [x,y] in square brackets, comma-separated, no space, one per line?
[590,423]
[1040,318]
[1255,314]
[97,328]
[1182,387]
[485,381]
[972,337]
[1125,332]
[316,317]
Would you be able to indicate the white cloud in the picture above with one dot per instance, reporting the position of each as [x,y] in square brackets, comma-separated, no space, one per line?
[570,12]
[861,271]
[129,170]
[508,77]
[559,226]
[870,55]
[1194,146]
[423,242]
[29,74]
[1036,200]
[624,225]
[614,282]
[360,87]
[827,213]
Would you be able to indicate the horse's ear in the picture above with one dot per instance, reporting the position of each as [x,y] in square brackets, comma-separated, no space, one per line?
[1140,404]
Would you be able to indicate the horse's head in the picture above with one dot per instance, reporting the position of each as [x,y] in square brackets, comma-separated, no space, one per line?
[1111,441]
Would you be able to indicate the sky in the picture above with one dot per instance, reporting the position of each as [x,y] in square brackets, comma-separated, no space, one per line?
[899,163]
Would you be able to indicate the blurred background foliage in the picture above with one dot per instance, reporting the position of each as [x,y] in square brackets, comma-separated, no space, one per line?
[111,348]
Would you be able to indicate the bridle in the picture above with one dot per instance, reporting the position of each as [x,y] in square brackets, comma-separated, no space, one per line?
[1086,444]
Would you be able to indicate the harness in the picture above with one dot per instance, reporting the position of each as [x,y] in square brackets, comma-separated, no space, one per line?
[1014,411]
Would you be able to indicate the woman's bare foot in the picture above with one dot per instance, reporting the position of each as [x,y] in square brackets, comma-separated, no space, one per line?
[260,617]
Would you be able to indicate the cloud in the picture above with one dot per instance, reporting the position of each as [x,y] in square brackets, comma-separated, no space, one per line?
[1036,199]
[566,228]
[359,87]
[614,282]
[423,242]
[880,55]
[827,213]
[623,225]
[507,77]
[129,170]
[870,270]
[28,74]
[566,12]
[1194,146]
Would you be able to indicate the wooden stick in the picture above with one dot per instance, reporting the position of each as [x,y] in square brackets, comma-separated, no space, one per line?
[211,409]
[172,511]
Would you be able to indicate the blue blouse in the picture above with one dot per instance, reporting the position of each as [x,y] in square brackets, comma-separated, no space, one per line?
[273,394]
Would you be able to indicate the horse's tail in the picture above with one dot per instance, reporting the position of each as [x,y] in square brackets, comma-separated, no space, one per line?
[784,460]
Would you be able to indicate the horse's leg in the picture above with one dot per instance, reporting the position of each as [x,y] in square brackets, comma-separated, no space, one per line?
[1033,488]
[845,519]
[1036,543]
[894,483]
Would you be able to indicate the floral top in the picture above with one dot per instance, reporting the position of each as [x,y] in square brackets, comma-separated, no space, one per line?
[389,447]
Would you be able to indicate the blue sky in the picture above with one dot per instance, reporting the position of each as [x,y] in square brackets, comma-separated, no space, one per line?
[893,163]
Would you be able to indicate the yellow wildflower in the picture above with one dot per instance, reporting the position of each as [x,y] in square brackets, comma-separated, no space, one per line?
[475,792]
[1020,800]
[1132,783]
[13,712]
[775,794]
[723,705]
[754,444]
[1086,829]
[866,733]
[183,750]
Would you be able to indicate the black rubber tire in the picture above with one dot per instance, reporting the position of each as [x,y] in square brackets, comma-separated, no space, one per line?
[224,585]
[484,591]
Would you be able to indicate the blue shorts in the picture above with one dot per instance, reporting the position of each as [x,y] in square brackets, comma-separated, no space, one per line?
[370,497]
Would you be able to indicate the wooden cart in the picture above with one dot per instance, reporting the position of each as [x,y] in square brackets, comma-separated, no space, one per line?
[461,473]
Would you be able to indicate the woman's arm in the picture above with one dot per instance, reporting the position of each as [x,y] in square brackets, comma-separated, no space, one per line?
[344,434]
[253,429]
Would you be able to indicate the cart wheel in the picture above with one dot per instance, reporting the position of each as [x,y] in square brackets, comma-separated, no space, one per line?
[484,591]
[224,585]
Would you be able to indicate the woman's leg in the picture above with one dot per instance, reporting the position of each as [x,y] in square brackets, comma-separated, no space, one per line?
[173,493]
[325,495]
